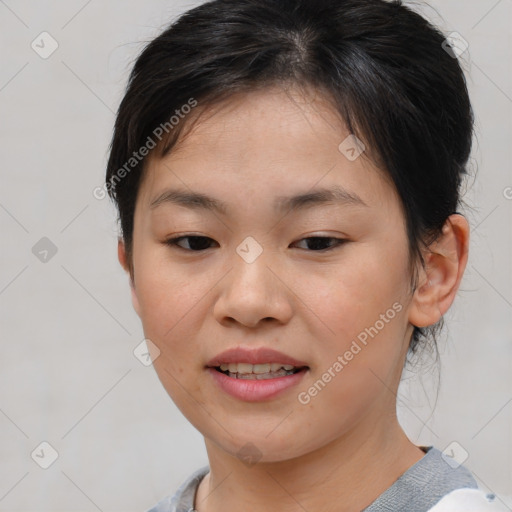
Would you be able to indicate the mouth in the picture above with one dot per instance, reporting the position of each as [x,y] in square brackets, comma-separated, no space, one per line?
[262,371]
[255,374]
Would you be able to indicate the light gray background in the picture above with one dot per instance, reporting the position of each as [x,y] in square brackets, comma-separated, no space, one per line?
[68,374]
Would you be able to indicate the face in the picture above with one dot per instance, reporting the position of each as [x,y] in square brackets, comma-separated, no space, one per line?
[273,261]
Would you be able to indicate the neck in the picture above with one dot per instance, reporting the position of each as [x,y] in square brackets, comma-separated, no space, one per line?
[345,475]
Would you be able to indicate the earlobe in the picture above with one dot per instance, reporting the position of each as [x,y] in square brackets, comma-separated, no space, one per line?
[123,260]
[445,262]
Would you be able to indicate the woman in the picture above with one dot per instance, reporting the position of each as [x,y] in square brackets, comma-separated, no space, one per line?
[287,175]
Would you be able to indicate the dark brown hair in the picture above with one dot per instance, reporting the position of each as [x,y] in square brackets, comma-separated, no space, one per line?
[385,68]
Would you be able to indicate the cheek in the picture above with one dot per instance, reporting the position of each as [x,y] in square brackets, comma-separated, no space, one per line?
[171,311]
[171,304]
[364,307]
[353,295]
[164,289]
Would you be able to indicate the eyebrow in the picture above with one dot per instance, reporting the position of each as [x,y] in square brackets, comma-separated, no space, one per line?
[318,197]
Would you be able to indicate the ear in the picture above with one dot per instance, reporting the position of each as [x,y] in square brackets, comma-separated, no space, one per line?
[123,260]
[438,282]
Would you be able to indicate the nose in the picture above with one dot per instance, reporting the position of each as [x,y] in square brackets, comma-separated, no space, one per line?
[252,293]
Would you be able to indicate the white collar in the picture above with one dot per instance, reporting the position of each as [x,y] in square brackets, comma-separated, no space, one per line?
[469,500]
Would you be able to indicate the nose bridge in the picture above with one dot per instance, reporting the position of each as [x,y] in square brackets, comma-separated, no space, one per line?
[252,292]
[251,274]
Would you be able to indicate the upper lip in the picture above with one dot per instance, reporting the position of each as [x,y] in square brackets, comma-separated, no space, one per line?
[253,356]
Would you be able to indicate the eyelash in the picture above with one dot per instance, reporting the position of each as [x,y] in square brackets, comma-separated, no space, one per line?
[173,242]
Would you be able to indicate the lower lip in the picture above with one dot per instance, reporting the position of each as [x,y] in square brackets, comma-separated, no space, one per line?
[252,390]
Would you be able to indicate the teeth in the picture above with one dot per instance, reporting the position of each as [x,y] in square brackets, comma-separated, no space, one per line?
[260,376]
[259,369]
[242,368]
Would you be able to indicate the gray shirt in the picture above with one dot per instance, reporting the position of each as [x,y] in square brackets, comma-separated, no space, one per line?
[417,490]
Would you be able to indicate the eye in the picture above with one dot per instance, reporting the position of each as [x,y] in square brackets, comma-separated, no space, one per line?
[320,243]
[195,243]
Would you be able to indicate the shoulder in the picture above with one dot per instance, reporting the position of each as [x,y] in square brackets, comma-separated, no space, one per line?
[469,500]
[183,499]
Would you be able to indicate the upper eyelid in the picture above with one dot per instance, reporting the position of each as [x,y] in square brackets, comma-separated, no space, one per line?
[174,240]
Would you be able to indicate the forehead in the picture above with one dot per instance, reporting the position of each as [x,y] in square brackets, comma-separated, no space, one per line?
[239,123]
[266,145]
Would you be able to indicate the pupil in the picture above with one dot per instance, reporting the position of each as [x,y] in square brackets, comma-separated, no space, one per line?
[198,243]
[318,243]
